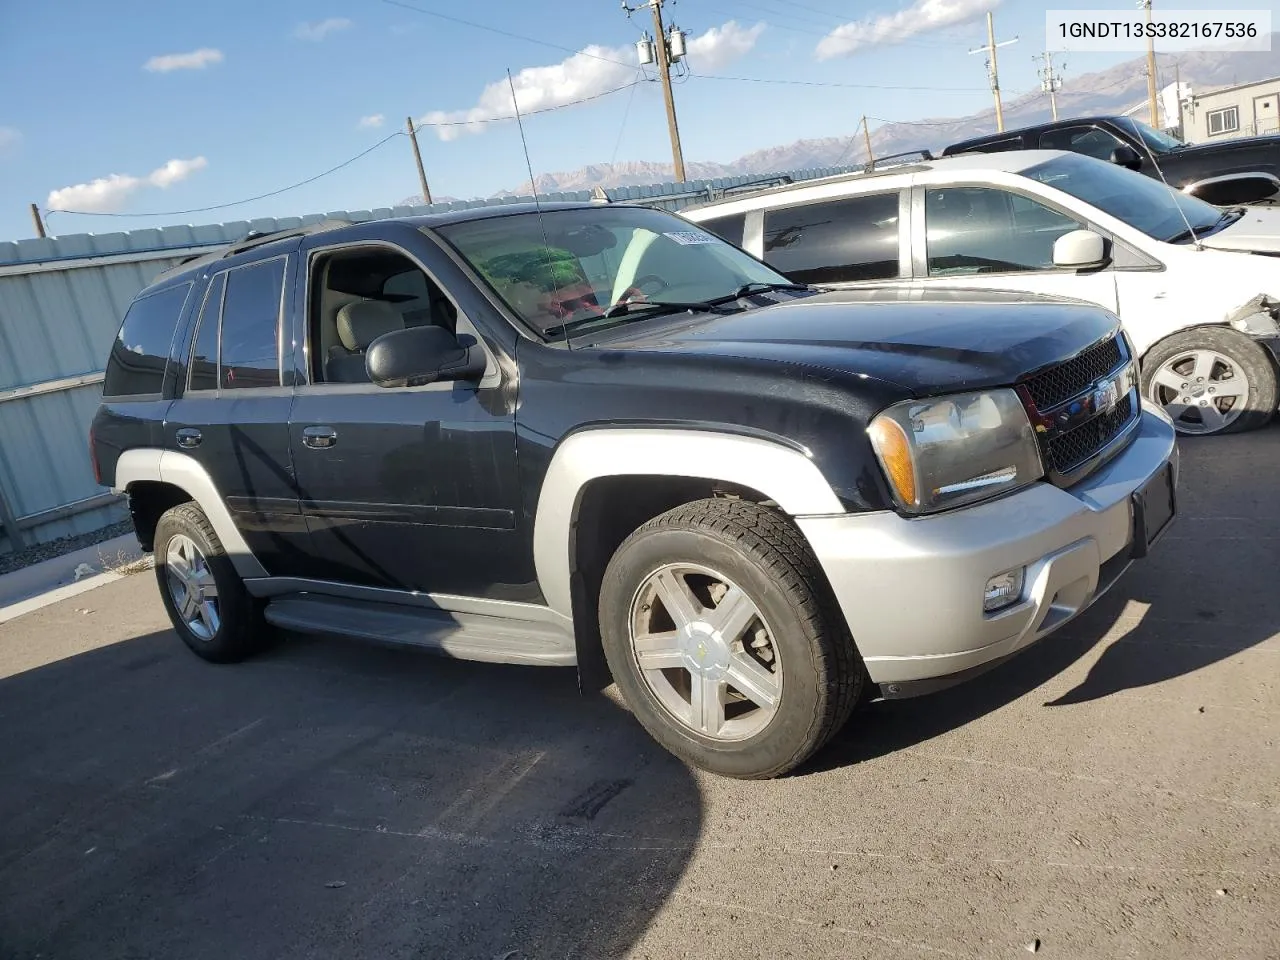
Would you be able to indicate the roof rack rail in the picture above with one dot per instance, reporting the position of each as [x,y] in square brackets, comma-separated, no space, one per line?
[924,155]
[258,238]
[254,238]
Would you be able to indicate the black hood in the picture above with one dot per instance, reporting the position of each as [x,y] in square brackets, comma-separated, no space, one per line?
[1215,148]
[926,342]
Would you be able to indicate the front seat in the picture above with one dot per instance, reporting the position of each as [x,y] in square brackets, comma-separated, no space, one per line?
[359,324]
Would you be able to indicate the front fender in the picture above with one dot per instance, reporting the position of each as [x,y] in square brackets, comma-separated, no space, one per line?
[783,474]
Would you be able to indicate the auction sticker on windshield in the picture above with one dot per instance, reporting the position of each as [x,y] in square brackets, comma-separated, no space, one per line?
[687,237]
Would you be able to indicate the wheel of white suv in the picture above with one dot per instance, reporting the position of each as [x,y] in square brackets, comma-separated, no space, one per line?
[1211,380]
[723,637]
[205,598]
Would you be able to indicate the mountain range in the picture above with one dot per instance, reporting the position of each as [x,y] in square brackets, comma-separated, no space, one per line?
[1116,90]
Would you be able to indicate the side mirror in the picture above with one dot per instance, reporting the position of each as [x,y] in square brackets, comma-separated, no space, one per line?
[421,355]
[1126,156]
[1079,250]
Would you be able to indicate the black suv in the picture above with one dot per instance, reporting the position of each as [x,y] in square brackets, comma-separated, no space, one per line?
[598,436]
[1225,172]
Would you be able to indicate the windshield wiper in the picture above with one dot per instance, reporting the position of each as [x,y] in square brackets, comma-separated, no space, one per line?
[1228,217]
[622,307]
[757,286]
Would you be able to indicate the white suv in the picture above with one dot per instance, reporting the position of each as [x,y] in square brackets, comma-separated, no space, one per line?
[1197,287]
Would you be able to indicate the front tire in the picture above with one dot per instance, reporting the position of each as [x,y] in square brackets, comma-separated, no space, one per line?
[1211,380]
[205,598]
[724,640]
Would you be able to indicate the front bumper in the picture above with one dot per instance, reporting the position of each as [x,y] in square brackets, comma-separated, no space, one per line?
[912,589]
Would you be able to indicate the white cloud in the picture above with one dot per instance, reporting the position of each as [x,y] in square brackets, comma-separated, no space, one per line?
[175,171]
[195,60]
[371,122]
[923,16]
[720,46]
[321,28]
[108,194]
[10,138]
[588,73]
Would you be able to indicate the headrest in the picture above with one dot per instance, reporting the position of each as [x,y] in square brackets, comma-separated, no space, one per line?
[361,323]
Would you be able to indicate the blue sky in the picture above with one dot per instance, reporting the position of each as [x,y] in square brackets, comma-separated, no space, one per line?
[142,106]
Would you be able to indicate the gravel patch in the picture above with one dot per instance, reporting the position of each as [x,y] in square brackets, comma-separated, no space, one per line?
[63,545]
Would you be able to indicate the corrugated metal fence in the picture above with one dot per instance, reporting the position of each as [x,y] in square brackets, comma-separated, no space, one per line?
[61,300]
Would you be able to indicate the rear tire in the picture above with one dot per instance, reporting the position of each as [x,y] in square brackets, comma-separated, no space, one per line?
[205,598]
[748,665]
[1211,380]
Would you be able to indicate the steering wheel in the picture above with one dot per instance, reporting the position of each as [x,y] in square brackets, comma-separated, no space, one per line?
[639,283]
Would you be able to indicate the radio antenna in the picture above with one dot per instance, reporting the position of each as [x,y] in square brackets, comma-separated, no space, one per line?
[1182,213]
[533,186]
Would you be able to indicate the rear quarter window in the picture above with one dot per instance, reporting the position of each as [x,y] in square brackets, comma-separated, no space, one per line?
[136,364]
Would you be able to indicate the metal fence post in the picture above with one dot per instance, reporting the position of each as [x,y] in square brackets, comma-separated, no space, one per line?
[9,523]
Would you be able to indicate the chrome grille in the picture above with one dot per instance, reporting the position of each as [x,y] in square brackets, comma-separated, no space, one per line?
[1066,380]
[1067,451]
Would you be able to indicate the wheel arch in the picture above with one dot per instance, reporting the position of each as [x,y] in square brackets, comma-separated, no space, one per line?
[603,483]
[165,478]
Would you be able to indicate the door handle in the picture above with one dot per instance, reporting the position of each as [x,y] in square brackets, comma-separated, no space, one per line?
[189,437]
[319,438]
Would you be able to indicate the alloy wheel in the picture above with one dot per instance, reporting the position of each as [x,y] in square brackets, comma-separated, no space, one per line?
[192,587]
[1203,391]
[705,652]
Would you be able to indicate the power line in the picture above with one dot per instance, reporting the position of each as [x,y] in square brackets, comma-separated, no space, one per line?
[349,161]
[504,33]
[854,86]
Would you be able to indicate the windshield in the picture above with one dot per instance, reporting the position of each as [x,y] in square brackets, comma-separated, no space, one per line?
[1156,140]
[593,259]
[1140,201]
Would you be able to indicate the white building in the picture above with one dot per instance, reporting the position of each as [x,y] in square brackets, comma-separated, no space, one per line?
[1242,110]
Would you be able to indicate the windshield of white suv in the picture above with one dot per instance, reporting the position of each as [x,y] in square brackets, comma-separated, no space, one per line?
[1140,201]
[596,267]
[1157,140]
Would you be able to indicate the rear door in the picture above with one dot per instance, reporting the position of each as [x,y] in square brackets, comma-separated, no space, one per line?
[232,415]
[979,237]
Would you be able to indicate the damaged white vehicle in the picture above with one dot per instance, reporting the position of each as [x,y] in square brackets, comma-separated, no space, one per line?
[1197,287]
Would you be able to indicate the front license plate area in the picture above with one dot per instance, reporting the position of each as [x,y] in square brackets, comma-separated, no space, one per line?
[1154,507]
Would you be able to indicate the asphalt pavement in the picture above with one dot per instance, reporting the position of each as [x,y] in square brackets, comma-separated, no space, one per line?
[1113,792]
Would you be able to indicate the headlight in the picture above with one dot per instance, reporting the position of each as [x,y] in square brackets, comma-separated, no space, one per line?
[950,451]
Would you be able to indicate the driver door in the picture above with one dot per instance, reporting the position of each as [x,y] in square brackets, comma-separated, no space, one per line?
[989,238]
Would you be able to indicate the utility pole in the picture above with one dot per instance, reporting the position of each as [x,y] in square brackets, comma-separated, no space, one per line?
[35,216]
[1151,68]
[992,69]
[1050,82]
[866,134]
[417,158]
[1177,92]
[668,49]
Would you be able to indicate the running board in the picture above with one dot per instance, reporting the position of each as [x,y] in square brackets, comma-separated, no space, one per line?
[464,636]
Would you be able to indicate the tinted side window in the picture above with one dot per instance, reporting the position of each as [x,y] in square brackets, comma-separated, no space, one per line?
[835,241]
[990,146]
[137,361]
[250,349]
[730,228]
[204,354]
[1091,141]
[972,230]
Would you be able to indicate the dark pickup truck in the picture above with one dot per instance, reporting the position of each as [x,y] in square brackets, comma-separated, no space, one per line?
[1224,172]
[602,438]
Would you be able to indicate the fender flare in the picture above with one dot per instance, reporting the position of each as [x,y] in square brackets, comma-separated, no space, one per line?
[783,474]
[186,473]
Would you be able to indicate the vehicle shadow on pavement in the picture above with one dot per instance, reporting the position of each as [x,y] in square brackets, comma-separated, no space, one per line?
[327,799]
[1205,593]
